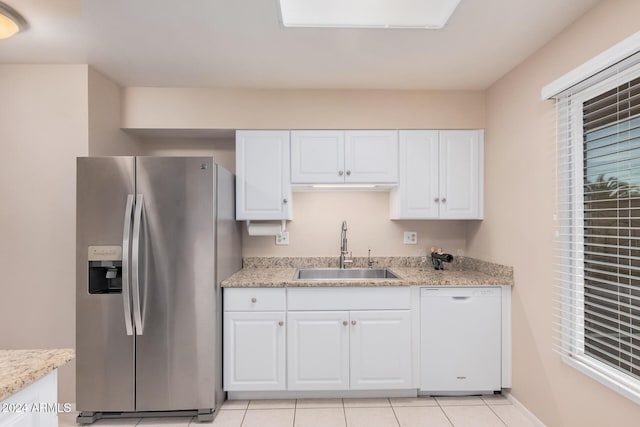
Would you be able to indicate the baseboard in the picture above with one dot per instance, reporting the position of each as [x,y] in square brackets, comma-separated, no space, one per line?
[535,420]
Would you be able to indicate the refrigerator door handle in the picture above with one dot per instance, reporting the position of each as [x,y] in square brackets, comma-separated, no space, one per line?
[126,237]
[135,265]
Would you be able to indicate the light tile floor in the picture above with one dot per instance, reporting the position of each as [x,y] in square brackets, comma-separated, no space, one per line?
[473,411]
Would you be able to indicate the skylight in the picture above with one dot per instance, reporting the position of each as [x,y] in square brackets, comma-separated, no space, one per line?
[428,14]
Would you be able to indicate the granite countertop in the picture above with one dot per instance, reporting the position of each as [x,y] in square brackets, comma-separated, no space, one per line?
[19,368]
[280,272]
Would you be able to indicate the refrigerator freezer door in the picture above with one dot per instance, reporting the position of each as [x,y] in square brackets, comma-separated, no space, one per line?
[104,351]
[174,354]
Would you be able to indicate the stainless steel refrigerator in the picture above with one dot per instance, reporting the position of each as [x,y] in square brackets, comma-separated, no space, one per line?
[155,237]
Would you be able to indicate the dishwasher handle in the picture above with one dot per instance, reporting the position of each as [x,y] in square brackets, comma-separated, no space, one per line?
[461,293]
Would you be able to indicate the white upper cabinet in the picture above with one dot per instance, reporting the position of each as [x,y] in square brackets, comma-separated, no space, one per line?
[371,156]
[441,175]
[461,174]
[317,156]
[418,182]
[336,157]
[263,185]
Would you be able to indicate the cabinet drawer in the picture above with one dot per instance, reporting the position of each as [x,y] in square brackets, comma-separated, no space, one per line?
[344,298]
[254,299]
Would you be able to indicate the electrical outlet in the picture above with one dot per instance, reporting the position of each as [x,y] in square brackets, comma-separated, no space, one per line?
[410,238]
[282,239]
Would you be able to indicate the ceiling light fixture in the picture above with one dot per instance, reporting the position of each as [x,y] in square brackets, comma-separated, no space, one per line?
[425,14]
[10,21]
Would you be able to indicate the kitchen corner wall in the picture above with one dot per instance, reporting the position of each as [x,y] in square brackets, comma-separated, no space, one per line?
[105,117]
[518,225]
[43,127]
[49,115]
[315,229]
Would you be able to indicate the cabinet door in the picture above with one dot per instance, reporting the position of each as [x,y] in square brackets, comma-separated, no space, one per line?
[263,187]
[417,192]
[317,156]
[318,350]
[371,156]
[381,350]
[254,351]
[461,174]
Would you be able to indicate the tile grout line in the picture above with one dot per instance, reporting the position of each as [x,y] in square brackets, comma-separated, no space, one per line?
[244,415]
[393,409]
[295,411]
[444,412]
[497,415]
[344,413]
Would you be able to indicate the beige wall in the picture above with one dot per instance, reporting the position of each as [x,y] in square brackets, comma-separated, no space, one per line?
[150,108]
[518,229]
[317,216]
[43,127]
[105,117]
[223,150]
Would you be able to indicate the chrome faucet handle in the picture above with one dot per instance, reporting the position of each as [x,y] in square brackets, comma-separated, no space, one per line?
[348,259]
[370,262]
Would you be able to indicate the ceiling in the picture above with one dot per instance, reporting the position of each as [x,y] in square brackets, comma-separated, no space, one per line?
[240,43]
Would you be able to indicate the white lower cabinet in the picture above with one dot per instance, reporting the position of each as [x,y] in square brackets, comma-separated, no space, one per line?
[357,350]
[350,339]
[34,406]
[381,350]
[318,350]
[254,351]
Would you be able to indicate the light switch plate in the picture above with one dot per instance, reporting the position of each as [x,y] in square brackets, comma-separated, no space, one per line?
[283,239]
[410,237]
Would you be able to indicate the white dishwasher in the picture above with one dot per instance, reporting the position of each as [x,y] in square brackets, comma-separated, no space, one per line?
[460,340]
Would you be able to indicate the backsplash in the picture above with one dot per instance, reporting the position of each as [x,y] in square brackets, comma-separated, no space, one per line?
[317,219]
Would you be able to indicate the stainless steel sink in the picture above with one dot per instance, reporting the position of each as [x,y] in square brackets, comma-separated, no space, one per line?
[344,274]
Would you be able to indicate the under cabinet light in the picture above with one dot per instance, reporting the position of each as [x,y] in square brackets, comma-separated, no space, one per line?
[343,186]
[425,14]
[10,21]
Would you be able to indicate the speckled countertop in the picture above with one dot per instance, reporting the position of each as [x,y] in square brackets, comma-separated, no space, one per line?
[280,272]
[19,368]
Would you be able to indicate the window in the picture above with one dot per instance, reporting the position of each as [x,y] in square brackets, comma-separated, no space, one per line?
[598,215]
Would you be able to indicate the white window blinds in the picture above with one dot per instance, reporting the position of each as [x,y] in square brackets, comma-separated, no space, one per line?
[598,218]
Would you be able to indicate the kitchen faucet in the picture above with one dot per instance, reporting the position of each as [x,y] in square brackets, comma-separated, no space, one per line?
[344,252]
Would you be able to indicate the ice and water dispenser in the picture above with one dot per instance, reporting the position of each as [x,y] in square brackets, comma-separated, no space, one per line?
[105,269]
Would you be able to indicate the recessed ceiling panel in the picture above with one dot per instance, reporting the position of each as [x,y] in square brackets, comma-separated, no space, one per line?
[428,14]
